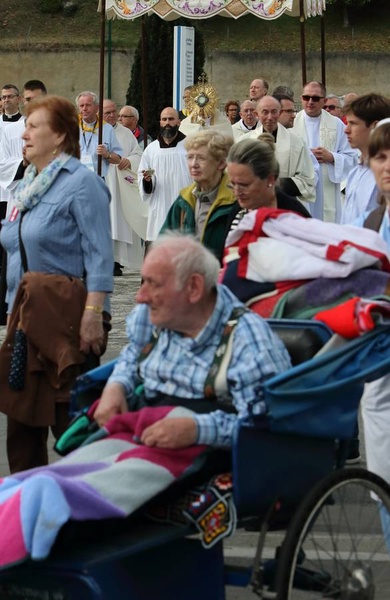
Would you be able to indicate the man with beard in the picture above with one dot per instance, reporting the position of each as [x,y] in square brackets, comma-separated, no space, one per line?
[163,171]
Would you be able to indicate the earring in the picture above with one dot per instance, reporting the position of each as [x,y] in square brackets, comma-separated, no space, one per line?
[55,151]
[270,185]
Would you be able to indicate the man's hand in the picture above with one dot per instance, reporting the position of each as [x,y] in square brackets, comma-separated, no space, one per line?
[323,155]
[112,402]
[124,164]
[171,433]
[147,174]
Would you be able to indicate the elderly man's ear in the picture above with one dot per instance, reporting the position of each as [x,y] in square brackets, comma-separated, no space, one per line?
[195,288]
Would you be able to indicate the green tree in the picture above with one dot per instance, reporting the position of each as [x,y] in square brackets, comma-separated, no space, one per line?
[352,9]
[158,68]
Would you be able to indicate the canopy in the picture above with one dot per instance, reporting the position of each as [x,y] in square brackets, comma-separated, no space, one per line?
[203,9]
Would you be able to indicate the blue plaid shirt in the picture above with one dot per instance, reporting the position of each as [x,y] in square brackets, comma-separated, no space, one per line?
[178,365]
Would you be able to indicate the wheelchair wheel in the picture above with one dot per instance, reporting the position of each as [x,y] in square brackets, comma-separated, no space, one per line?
[335,546]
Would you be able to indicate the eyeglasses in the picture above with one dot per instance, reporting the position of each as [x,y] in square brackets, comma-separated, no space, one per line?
[330,106]
[109,112]
[9,97]
[290,111]
[306,98]
[126,117]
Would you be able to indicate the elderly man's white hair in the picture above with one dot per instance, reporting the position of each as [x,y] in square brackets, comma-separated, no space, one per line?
[189,256]
[87,93]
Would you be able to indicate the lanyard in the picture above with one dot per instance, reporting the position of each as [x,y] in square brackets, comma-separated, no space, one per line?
[92,131]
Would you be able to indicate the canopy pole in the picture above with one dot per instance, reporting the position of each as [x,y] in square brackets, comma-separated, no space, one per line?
[303,41]
[323,68]
[101,79]
[144,61]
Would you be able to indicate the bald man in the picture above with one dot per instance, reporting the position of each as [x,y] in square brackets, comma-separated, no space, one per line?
[297,175]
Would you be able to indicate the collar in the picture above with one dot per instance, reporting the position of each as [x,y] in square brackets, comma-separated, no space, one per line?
[12,118]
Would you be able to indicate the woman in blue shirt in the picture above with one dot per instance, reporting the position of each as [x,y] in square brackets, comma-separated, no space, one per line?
[61,218]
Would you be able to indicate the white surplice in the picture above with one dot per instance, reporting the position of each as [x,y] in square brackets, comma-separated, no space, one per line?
[170,176]
[327,132]
[11,148]
[128,249]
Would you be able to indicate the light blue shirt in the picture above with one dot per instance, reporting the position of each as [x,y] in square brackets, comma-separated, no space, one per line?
[67,232]
[89,143]
[178,365]
[361,194]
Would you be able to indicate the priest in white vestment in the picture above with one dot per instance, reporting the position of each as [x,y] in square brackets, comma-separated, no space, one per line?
[326,138]
[163,171]
[128,250]
[248,121]
[297,177]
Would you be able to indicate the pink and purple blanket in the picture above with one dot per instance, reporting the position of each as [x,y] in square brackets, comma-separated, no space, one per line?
[110,478]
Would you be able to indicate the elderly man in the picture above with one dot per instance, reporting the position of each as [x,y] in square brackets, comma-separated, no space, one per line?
[181,302]
[361,191]
[297,176]
[127,245]
[163,171]
[326,138]
[110,150]
[287,110]
[129,117]
[334,105]
[248,121]
[257,89]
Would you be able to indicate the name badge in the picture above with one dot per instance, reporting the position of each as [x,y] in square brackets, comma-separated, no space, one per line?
[86,160]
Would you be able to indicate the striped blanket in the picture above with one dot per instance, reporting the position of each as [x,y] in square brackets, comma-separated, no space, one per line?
[109,478]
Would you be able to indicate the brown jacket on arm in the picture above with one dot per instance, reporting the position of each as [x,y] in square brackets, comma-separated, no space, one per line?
[48,308]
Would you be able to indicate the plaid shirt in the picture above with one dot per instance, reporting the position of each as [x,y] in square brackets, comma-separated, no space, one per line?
[178,365]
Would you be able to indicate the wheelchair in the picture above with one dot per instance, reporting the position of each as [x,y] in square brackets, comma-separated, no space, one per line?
[288,477]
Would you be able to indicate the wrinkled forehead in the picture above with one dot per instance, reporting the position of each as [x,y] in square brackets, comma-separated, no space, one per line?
[86,100]
[268,104]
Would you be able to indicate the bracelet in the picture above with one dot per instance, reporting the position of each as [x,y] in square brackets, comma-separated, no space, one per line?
[109,156]
[97,309]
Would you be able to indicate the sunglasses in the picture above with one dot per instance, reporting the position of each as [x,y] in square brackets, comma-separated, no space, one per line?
[330,106]
[306,98]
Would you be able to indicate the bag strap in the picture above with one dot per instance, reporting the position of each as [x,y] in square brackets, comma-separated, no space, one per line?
[374,219]
[21,245]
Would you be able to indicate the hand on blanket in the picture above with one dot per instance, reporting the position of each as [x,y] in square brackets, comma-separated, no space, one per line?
[112,402]
[171,433]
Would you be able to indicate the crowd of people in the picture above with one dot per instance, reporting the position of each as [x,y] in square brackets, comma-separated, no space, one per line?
[64,241]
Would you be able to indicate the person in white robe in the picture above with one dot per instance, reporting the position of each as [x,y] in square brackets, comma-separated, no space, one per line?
[10,115]
[11,146]
[248,121]
[128,250]
[297,176]
[163,171]
[325,136]
[362,193]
